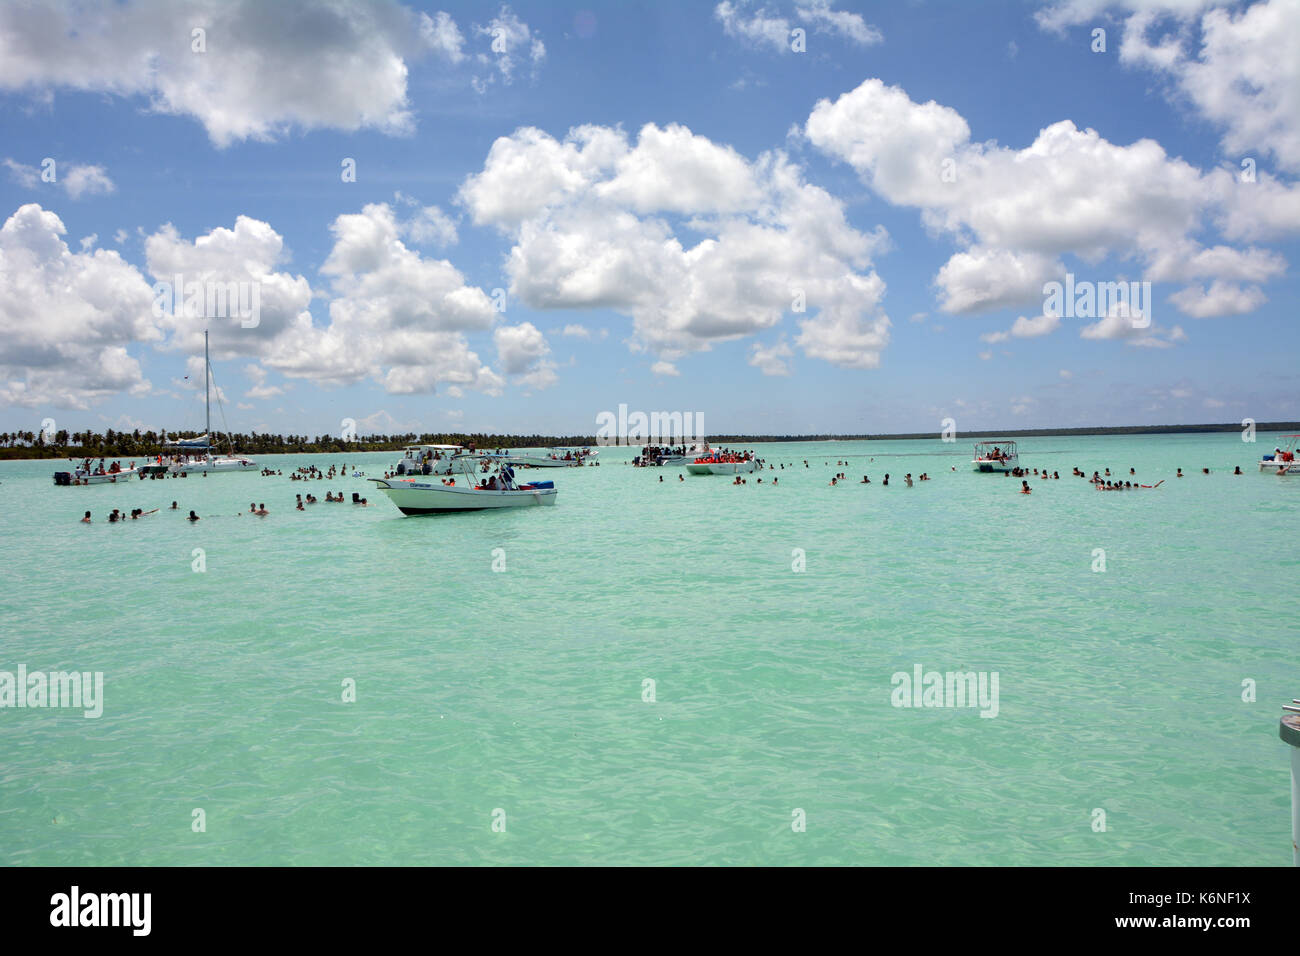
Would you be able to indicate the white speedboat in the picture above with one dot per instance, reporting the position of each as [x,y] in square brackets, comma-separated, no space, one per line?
[723,464]
[431,495]
[1283,460]
[82,475]
[669,459]
[996,456]
[426,460]
[553,458]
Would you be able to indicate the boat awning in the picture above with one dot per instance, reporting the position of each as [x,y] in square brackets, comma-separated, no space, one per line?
[203,441]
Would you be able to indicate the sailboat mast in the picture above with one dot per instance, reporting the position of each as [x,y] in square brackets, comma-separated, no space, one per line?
[207,401]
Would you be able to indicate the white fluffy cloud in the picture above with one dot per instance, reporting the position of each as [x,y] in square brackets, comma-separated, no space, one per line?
[523,352]
[75,179]
[693,241]
[766,28]
[66,318]
[1120,327]
[395,316]
[246,256]
[1221,298]
[1017,212]
[264,67]
[1026,327]
[772,359]
[1238,67]
[511,44]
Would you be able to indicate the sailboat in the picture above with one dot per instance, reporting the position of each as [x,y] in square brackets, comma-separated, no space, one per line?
[195,454]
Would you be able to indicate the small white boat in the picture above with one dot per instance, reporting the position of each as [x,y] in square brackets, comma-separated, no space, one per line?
[83,476]
[723,464]
[1283,460]
[996,456]
[554,458]
[699,449]
[430,495]
[427,459]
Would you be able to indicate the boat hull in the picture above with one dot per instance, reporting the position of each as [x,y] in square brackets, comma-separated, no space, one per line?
[722,468]
[982,465]
[1271,467]
[413,497]
[115,479]
[216,464]
[525,462]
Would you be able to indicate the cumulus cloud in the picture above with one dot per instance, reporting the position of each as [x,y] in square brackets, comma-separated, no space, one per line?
[511,44]
[1237,67]
[841,23]
[692,240]
[241,265]
[1026,327]
[442,35]
[427,225]
[75,179]
[523,352]
[1016,213]
[765,28]
[1221,298]
[395,316]
[66,318]
[256,71]
[665,369]
[260,389]
[1132,330]
[771,360]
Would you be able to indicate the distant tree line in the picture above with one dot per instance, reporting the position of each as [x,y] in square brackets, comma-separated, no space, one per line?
[138,444]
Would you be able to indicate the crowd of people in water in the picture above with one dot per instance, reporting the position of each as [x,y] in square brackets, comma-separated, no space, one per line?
[254,508]
[1102,480]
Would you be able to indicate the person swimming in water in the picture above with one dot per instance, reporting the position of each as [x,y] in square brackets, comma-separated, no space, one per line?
[86,518]
[193,516]
[1025,489]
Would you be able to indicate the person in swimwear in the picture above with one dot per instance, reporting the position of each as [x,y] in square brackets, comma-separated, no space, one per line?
[86,519]
[1025,489]
[193,516]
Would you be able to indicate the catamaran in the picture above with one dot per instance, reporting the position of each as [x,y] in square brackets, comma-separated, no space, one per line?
[996,456]
[428,495]
[195,454]
[1283,461]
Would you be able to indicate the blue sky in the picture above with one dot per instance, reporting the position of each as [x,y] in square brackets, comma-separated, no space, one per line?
[651,187]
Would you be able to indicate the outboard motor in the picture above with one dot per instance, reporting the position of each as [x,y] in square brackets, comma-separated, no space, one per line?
[62,478]
[428,468]
[401,467]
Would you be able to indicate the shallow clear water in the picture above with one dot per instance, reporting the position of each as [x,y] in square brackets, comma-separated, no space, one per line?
[522,691]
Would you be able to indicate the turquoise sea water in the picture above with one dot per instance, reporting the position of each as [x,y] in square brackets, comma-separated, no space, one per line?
[522,691]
